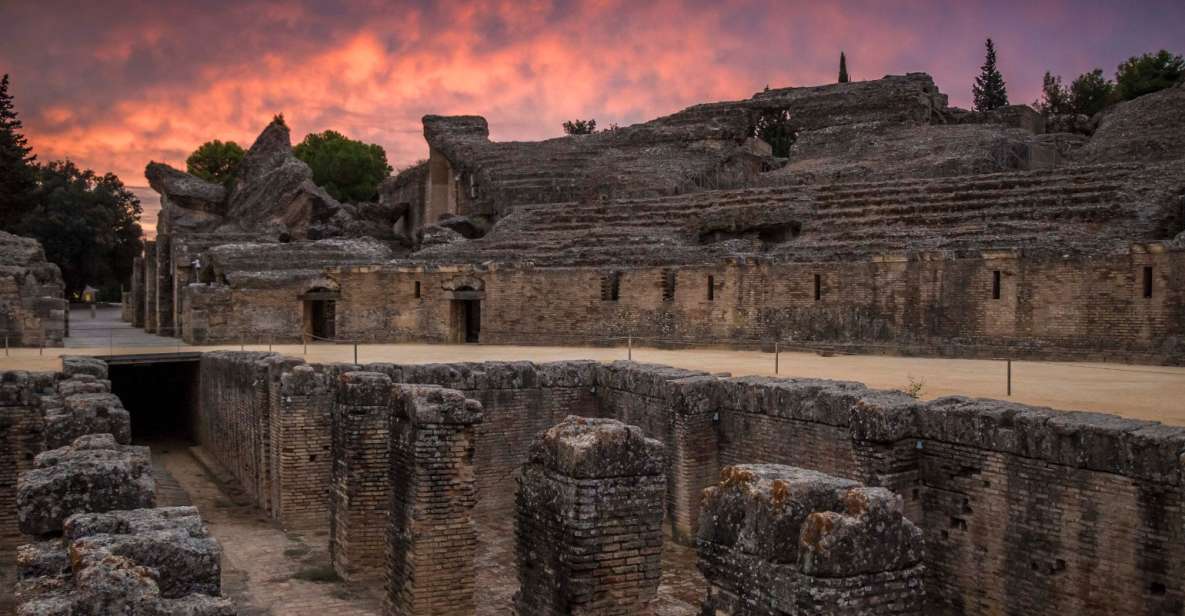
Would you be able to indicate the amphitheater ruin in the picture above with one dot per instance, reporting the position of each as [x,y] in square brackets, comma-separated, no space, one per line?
[894,225]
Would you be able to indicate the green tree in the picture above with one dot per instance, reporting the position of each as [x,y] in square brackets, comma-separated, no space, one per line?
[1091,93]
[1055,98]
[88,225]
[843,68]
[18,170]
[348,170]
[580,127]
[1149,73]
[775,127]
[989,89]
[215,161]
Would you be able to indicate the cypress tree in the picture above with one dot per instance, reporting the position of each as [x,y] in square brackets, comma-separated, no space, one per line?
[18,178]
[843,68]
[989,90]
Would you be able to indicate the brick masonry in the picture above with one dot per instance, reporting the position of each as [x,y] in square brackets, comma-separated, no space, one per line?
[589,520]
[1090,504]
[431,537]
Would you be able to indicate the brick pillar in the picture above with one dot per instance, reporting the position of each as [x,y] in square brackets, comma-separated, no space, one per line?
[361,490]
[301,434]
[150,287]
[779,540]
[589,520]
[431,539]
[694,451]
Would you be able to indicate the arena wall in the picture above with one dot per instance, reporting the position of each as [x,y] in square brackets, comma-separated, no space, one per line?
[1023,508]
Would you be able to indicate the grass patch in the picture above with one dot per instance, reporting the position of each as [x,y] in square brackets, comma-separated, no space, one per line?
[321,574]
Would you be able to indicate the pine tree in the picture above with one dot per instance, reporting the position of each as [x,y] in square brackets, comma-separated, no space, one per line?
[843,68]
[989,90]
[18,178]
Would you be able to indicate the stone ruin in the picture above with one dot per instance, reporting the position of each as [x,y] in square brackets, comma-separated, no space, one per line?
[96,544]
[32,309]
[783,540]
[893,224]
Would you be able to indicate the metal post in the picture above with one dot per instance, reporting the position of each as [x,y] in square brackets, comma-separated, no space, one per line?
[630,346]
[305,339]
[242,343]
[1010,378]
[777,357]
[355,352]
[93,316]
[41,351]
[111,342]
[269,344]
[6,346]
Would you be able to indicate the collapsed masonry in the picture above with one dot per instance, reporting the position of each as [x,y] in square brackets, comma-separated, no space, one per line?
[894,223]
[33,311]
[986,481]
[783,540]
[73,485]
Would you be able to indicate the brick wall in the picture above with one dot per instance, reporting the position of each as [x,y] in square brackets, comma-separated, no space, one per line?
[235,427]
[22,437]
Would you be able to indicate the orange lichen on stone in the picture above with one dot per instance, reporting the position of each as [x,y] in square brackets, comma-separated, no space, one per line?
[856,502]
[816,526]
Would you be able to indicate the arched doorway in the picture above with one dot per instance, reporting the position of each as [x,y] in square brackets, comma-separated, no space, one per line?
[320,313]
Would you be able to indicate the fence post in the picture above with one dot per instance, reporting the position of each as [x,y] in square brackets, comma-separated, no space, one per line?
[630,348]
[242,342]
[355,352]
[304,337]
[269,344]
[6,346]
[777,357]
[1009,378]
[111,342]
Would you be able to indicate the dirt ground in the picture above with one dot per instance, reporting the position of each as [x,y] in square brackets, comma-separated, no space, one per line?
[1144,392]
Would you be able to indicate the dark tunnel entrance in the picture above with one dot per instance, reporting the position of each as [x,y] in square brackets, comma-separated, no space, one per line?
[161,394]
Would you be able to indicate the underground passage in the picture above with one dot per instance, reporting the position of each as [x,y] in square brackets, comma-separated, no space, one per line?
[160,393]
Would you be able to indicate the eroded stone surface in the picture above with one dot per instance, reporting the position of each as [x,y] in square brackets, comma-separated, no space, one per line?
[93,474]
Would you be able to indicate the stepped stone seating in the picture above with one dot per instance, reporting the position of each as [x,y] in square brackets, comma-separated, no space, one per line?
[1077,208]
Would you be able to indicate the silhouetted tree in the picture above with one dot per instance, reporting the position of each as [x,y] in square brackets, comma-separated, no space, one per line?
[215,161]
[775,128]
[989,89]
[843,68]
[18,170]
[88,225]
[1055,98]
[1148,73]
[348,170]
[1091,93]
[580,127]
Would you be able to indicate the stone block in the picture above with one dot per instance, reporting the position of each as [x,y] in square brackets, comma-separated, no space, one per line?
[82,414]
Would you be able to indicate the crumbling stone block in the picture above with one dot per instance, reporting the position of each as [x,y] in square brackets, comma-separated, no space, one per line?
[83,384]
[90,413]
[589,520]
[148,562]
[94,474]
[777,540]
[432,541]
[75,365]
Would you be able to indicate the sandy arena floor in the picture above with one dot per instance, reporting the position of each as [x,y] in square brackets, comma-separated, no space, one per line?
[1145,392]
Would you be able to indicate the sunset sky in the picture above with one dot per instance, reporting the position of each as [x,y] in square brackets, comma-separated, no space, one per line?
[115,84]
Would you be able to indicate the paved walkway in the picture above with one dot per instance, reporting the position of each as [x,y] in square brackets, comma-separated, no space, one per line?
[103,327]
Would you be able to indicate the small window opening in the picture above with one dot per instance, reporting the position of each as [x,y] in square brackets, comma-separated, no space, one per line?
[711,288]
[818,287]
[417,289]
[996,284]
[1157,588]
[611,287]
[668,285]
[1147,281]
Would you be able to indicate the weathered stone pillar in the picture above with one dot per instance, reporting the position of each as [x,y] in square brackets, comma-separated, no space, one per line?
[301,433]
[694,451]
[776,540]
[432,542]
[137,297]
[589,520]
[361,490]
[164,285]
[150,287]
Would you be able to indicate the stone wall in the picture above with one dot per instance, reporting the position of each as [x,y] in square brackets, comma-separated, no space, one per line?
[33,311]
[782,540]
[1091,502]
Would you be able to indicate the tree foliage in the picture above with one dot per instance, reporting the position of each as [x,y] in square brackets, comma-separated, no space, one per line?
[1149,73]
[777,129]
[1090,93]
[18,171]
[215,161]
[348,170]
[580,127]
[989,90]
[1055,98]
[88,225]
[843,68]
